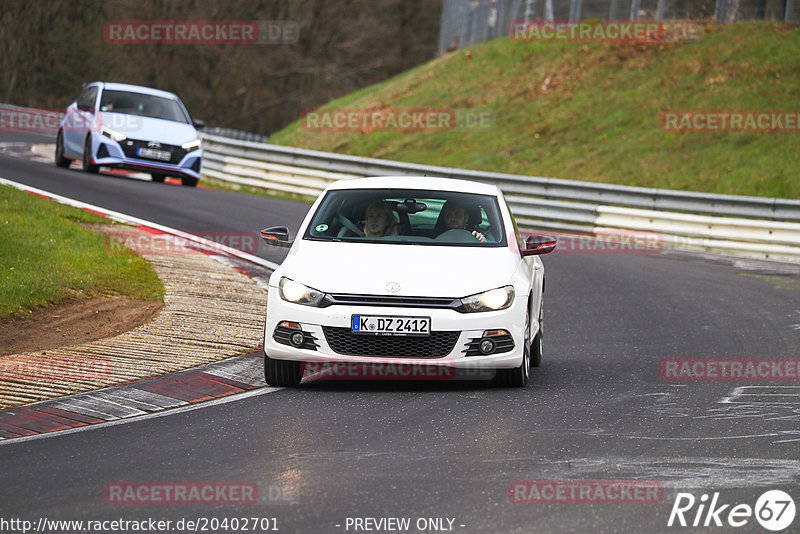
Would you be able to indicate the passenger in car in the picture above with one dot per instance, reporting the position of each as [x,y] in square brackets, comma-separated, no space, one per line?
[379,220]
[456,216]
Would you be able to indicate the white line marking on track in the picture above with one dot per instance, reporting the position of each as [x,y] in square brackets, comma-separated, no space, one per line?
[165,413]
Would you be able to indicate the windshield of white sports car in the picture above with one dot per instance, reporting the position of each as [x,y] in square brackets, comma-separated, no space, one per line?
[131,103]
[408,217]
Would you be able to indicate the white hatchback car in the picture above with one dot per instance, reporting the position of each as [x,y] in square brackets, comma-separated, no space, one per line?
[130,127]
[406,271]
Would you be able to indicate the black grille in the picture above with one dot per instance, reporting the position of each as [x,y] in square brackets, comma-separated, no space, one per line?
[344,341]
[502,343]
[129,146]
[390,300]
[102,152]
[283,335]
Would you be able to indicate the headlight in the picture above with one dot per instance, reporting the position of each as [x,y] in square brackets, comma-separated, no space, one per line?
[191,145]
[494,299]
[298,293]
[113,134]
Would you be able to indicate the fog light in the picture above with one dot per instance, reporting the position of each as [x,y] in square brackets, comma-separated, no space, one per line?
[487,346]
[298,339]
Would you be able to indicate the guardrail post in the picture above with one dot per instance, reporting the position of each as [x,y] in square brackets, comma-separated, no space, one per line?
[575,8]
[722,7]
[635,6]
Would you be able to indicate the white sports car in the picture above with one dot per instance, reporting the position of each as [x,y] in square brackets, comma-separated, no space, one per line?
[415,273]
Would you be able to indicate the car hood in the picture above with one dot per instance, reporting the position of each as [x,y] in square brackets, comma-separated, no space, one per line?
[150,129]
[429,271]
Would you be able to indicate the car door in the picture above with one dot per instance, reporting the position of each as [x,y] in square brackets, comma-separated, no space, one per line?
[80,120]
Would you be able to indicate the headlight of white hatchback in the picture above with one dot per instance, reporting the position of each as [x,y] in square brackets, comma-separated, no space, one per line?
[495,299]
[298,293]
[113,134]
[191,145]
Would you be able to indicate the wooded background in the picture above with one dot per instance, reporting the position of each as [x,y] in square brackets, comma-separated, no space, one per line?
[50,48]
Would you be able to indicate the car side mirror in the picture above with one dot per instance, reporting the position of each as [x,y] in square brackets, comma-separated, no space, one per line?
[277,236]
[84,107]
[198,124]
[539,244]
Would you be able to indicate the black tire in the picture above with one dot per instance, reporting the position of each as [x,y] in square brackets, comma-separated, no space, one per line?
[536,346]
[61,161]
[188,181]
[518,377]
[282,373]
[158,178]
[87,157]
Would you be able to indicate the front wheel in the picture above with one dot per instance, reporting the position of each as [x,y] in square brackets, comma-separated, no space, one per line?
[61,161]
[518,377]
[282,373]
[87,157]
[536,346]
[157,177]
[188,181]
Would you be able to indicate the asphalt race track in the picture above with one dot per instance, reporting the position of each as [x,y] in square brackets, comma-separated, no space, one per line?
[597,409]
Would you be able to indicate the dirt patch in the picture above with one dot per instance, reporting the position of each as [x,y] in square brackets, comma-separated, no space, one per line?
[73,322]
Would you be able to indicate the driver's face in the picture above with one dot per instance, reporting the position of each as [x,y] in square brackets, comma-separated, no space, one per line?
[455,218]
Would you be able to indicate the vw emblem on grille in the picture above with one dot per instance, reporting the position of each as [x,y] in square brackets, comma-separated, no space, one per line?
[153,144]
[392,287]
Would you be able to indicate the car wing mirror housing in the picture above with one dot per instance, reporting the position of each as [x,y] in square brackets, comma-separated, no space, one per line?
[277,236]
[198,124]
[539,244]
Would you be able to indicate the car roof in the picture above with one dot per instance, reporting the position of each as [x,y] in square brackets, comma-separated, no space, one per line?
[416,182]
[136,89]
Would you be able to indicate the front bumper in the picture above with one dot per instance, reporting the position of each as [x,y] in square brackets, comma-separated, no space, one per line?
[109,153]
[452,335]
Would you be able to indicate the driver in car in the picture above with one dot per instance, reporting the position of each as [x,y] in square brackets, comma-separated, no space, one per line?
[456,217]
[380,220]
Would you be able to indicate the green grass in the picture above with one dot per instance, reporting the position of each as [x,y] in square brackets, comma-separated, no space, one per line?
[592,111]
[46,257]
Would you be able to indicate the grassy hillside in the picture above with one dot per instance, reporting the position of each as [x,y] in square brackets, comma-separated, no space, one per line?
[592,111]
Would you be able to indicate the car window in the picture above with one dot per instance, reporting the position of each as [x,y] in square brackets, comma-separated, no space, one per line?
[88,97]
[130,103]
[407,216]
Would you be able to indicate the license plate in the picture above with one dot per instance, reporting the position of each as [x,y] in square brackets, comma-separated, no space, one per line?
[382,325]
[152,153]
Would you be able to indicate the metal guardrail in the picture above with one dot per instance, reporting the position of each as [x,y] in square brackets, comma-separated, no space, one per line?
[750,226]
[775,209]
